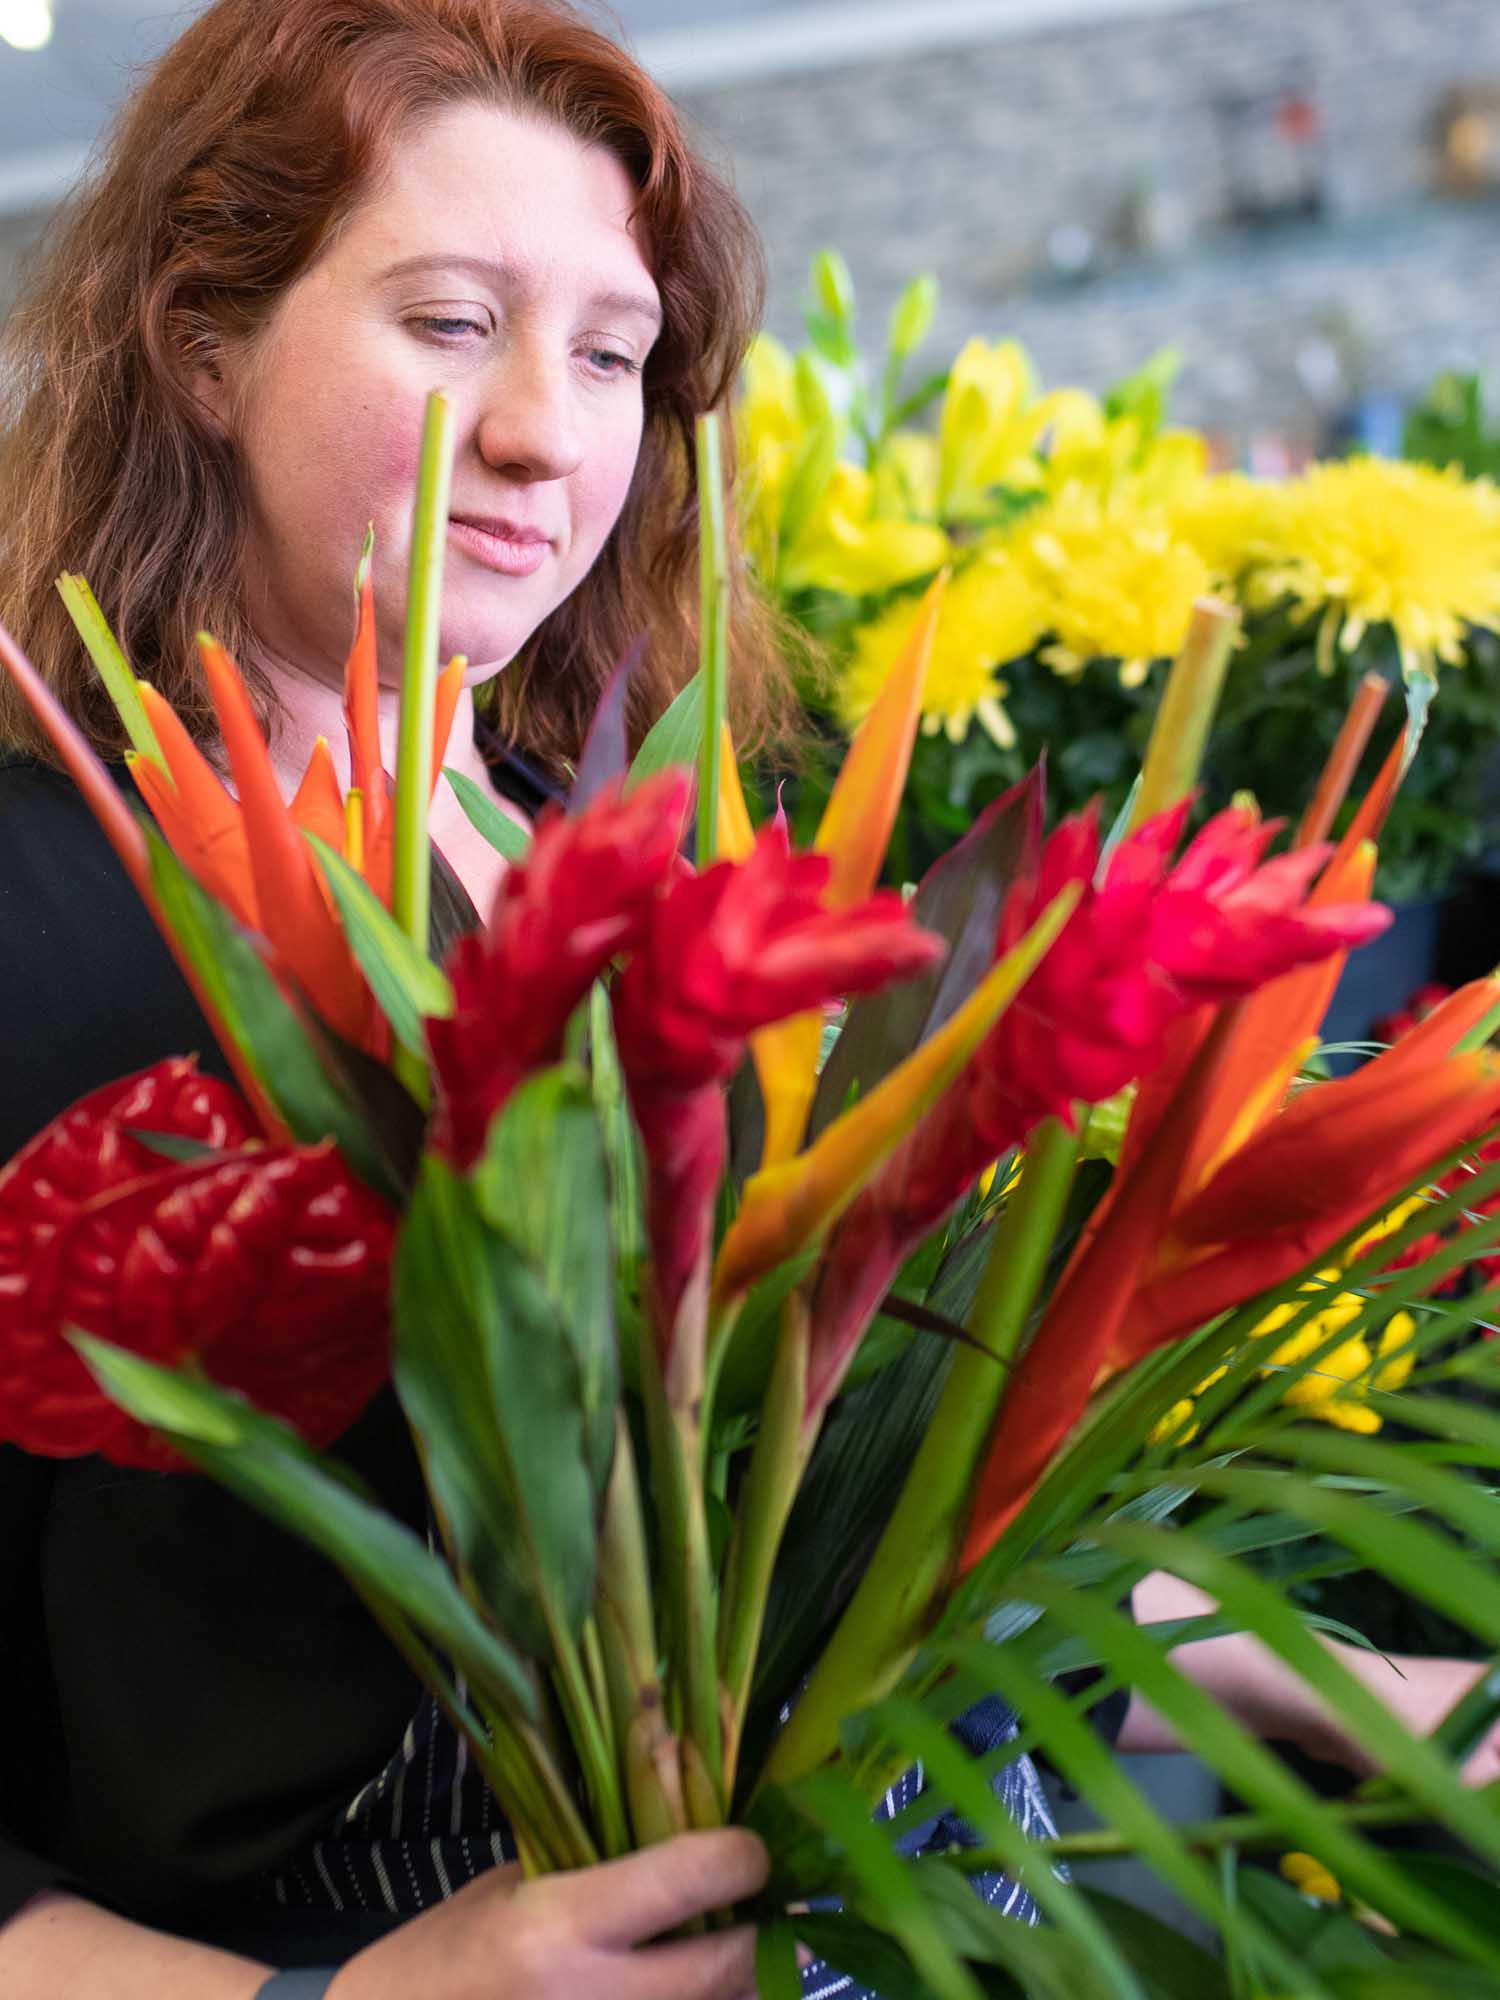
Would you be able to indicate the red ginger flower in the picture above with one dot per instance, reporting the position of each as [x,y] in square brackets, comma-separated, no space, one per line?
[724,954]
[1147,945]
[578,899]
[268,1266]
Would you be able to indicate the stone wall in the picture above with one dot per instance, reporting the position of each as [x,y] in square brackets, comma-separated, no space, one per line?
[964,160]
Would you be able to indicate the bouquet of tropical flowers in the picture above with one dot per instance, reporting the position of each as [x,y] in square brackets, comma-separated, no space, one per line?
[1080,531]
[685,1199]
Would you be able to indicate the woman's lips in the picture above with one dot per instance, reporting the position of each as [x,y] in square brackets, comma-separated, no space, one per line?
[500,546]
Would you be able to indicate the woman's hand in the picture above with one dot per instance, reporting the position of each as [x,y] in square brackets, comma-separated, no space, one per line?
[582,1936]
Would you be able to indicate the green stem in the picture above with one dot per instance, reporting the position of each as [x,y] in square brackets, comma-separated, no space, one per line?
[1188,703]
[782,1449]
[1234,1830]
[411,862]
[675,1436]
[587,1732]
[713,634]
[891,1611]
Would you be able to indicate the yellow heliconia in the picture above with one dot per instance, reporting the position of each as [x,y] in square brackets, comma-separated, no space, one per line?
[854,833]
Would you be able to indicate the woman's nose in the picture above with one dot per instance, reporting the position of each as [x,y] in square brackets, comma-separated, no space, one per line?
[528,427]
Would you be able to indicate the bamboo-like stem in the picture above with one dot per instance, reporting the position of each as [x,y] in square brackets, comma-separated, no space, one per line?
[1188,703]
[893,1607]
[783,1445]
[626,1624]
[1343,760]
[411,859]
[713,634]
[675,1435]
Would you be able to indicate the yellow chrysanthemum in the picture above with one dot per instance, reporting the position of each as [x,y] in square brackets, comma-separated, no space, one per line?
[1121,584]
[992,613]
[1374,542]
[988,432]
[1337,1388]
[844,546]
[1230,520]
[1308,1875]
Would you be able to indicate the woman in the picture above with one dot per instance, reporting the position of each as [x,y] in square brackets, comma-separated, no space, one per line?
[309,217]
[217,382]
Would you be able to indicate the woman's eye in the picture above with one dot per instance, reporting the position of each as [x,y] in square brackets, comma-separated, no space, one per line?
[608,362]
[450,326]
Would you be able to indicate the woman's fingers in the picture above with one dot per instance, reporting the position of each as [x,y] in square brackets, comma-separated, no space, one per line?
[718,1967]
[647,1894]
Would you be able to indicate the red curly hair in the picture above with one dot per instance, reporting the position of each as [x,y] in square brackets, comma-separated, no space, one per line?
[250,140]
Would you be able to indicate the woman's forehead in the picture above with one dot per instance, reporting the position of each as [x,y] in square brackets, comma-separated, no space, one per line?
[514,198]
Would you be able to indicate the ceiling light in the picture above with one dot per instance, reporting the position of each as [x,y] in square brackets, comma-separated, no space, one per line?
[26,24]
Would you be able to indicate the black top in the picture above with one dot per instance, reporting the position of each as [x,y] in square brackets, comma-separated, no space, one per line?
[192,1693]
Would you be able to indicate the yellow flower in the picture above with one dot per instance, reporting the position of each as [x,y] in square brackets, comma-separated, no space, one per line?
[843,546]
[1229,519]
[906,477]
[1113,457]
[991,422]
[992,612]
[770,429]
[1121,584]
[1336,1390]
[1307,1874]
[1177,1426]
[1372,542]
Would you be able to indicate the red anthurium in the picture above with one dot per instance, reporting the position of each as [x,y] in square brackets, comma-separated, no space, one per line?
[48,1398]
[724,954]
[270,1268]
[579,898]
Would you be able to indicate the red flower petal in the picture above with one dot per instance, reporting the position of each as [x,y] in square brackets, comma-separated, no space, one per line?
[49,1403]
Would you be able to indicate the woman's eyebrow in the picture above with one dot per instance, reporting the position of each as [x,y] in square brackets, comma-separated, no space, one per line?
[642,305]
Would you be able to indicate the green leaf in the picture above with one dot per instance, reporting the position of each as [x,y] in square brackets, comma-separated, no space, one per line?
[606,753]
[544,1183]
[1170,1965]
[954,1778]
[265,1463]
[888,1883]
[278,1048]
[487,819]
[674,737]
[866,1955]
[111,665]
[960,898]
[1464,1889]
[406,984]
[816,458]
[776,1973]
[1324,1935]
[486,1373]
[411,872]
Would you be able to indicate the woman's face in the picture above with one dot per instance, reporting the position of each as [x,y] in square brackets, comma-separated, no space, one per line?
[494,261]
